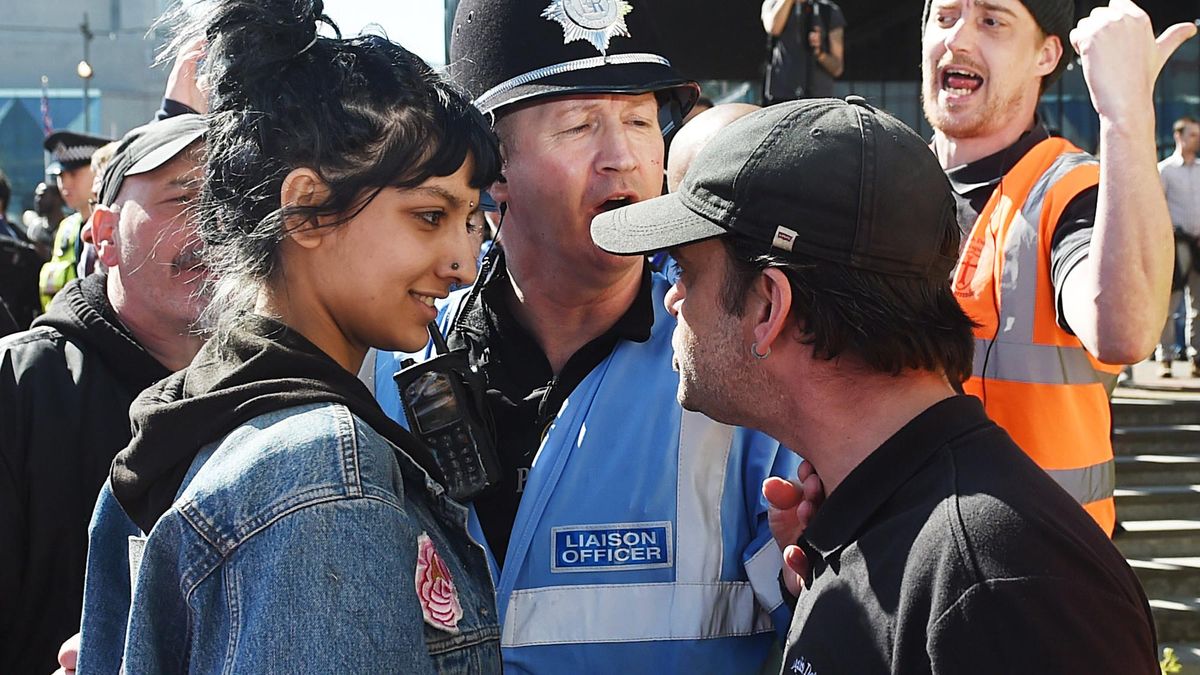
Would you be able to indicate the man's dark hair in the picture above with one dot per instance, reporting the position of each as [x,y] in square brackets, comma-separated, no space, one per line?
[1183,122]
[5,193]
[892,323]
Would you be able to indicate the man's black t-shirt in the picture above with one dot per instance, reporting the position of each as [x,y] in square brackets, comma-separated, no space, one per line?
[974,183]
[948,550]
[793,72]
[523,393]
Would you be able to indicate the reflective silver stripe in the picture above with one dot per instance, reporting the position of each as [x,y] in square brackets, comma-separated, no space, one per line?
[763,571]
[567,67]
[1109,380]
[1018,281]
[1064,164]
[631,613]
[703,459]
[1022,250]
[1035,364]
[1089,484]
[366,374]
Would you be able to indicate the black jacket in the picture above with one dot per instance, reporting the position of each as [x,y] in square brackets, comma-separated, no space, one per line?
[65,389]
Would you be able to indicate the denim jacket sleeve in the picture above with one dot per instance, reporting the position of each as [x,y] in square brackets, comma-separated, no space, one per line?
[106,587]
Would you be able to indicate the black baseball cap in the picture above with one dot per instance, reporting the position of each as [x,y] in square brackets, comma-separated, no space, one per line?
[148,147]
[509,51]
[834,180]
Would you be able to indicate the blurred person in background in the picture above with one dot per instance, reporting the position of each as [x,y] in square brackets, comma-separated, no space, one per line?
[1180,177]
[807,48]
[19,262]
[72,152]
[41,222]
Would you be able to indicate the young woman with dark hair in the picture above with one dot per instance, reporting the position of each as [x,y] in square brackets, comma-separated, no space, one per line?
[292,527]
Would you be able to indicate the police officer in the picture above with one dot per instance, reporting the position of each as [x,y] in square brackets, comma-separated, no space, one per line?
[637,541]
[72,152]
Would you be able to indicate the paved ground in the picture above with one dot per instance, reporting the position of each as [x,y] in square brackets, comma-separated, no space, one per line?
[1146,382]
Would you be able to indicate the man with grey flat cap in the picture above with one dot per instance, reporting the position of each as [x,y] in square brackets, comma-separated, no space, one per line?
[815,240]
[638,541]
[66,384]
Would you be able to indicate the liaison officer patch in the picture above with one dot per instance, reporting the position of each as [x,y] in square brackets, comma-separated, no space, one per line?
[611,547]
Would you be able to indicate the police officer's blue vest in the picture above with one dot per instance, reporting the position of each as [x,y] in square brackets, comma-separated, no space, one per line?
[641,542]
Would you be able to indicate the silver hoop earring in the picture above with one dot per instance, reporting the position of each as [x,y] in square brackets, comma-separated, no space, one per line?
[454,266]
[754,351]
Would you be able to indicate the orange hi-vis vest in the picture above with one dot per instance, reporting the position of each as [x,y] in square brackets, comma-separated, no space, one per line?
[1035,379]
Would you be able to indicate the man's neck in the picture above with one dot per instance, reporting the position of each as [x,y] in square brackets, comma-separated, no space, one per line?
[1188,157]
[171,346]
[84,211]
[825,423]
[955,152]
[565,310]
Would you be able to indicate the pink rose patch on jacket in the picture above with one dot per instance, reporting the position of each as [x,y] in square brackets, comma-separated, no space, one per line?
[435,588]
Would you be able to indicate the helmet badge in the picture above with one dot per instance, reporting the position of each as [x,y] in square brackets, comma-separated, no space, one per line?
[596,21]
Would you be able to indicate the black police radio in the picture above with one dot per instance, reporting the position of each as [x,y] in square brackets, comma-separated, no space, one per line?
[443,401]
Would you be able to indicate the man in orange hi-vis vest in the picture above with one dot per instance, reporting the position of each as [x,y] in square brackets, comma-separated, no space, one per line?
[1067,259]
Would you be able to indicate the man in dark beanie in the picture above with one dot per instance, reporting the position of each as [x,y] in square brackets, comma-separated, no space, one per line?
[637,542]
[1066,260]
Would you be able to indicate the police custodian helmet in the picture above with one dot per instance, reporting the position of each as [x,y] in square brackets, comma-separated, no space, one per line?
[508,51]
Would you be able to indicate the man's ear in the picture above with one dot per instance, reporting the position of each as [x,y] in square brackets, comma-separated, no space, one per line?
[772,304]
[1049,55]
[304,188]
[499,190]
[105,235]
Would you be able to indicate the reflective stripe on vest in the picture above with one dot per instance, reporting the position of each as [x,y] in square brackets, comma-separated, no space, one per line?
[1089,484]
[1016,362]
[1036,379]
[1022,253]
[703,456]
[631,613]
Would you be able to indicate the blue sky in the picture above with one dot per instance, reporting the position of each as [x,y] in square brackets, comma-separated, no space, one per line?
[416,24]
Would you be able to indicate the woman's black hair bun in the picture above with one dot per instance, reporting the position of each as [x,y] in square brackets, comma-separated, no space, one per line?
[249,41]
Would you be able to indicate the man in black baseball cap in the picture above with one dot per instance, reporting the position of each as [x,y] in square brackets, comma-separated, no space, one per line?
[613,561]
[66,384]
[815,240]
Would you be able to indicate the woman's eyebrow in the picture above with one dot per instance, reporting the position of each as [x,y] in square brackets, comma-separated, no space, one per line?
[454,200]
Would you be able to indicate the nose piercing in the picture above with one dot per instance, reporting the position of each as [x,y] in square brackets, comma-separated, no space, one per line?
[454,266]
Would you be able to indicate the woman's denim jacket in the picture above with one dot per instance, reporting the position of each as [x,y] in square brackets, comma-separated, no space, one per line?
[292,548]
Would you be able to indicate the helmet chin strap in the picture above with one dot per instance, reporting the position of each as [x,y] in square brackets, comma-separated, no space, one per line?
[670,119]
